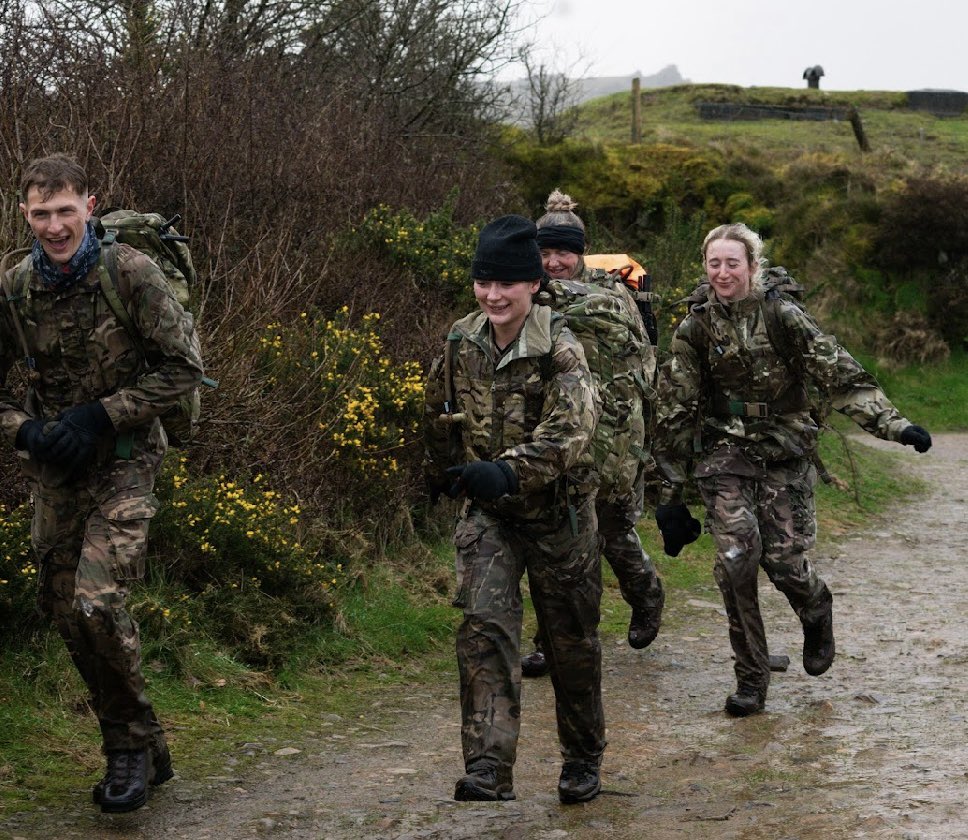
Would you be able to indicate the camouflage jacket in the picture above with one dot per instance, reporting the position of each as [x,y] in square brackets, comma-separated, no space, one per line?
[605,320]
[538,420]
[696,382]
[82,352]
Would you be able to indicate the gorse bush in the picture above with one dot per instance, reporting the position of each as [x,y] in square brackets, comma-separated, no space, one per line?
[225,532]
[234,560]
[18,574]
[435,251]
[357,410]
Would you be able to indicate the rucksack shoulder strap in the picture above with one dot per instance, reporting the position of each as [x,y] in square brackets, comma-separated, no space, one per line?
[16,291]
[779,336]
[453,340]
[110,288]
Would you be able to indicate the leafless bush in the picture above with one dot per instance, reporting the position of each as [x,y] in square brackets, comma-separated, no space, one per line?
[271,128]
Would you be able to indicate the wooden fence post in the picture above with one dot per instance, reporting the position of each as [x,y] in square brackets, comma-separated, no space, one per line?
[636,110]
[858,126]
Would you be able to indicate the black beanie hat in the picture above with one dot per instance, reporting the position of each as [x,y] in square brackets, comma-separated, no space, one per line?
[507,251]
[566,237]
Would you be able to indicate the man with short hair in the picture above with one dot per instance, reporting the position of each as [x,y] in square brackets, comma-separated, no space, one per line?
[91,444]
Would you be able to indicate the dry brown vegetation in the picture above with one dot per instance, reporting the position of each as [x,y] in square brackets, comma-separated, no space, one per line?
[271,129]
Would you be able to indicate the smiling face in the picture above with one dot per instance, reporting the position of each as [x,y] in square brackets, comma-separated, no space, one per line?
[728,269]
[59,221]
[558,263]
[506,305]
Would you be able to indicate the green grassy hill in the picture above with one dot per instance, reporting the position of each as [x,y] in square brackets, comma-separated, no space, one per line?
[900,137]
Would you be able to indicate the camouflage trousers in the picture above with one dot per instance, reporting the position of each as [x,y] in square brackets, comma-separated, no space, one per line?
[622,548]
[89,538]
[637,578]
[564,575]
[764,518]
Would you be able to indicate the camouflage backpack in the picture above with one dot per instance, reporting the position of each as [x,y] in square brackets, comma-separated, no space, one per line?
[638,280]
[150,234]
[157,239]
[615,343]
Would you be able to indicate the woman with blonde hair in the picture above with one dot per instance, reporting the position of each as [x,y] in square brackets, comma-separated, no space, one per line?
[732,389]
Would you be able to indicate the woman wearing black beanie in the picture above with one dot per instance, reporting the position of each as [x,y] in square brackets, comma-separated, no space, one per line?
[510,409]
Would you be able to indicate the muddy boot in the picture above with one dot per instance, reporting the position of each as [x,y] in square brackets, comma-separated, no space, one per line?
[644,626]
[579,782]
[484,785]
[745,702]
[818,644]
[160,773]
[125,785]
[535,664]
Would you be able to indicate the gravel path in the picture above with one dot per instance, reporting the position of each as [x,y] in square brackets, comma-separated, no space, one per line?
[875,748]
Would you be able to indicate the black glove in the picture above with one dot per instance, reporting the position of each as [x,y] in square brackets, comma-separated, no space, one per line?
[917,437]
[73,441]
[31,438]
[678,527]
[436,488]
[486,480]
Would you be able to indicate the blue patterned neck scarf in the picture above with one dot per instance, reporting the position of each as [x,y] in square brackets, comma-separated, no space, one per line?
[60,277]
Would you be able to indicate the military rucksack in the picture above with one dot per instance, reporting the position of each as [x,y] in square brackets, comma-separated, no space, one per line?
[614,341]
[638,281]
[157,238]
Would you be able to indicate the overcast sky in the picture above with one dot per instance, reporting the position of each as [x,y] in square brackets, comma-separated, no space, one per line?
[861,44]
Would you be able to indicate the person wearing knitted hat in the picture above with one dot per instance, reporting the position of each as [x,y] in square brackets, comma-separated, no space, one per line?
[510,409]
[620,500]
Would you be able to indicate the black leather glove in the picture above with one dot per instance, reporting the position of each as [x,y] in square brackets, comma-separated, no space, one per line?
[678,527]
[436,488]
[917,437]
[486,480]
[73,441]
[31,438]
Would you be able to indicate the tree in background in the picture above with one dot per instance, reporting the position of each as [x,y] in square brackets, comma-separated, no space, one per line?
[550,98]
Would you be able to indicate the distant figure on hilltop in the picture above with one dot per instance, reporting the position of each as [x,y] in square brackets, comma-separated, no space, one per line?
[812,75]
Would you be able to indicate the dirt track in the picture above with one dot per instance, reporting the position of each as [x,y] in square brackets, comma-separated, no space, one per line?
[875,748]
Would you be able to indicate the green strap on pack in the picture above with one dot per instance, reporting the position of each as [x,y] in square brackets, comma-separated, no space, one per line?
[124,442]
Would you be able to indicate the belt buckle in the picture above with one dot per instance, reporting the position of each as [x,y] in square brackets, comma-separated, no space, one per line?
[757,409]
